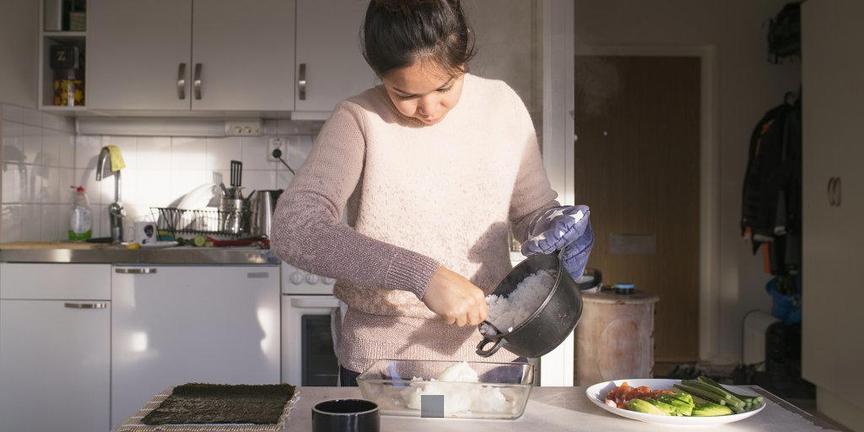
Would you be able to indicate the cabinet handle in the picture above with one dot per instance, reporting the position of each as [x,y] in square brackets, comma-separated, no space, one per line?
[197,81]
[301,82]
[181,81]
[86,305]
[135,270]
[838,192]
[835,191]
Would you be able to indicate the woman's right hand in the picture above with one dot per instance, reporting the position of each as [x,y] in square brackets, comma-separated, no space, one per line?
[455,299]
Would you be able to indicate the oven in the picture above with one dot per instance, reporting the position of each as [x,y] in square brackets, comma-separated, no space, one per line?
[311,318]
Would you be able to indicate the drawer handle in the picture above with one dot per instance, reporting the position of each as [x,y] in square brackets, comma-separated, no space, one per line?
[135,270]
[86,305]
[181,81]
[301,82]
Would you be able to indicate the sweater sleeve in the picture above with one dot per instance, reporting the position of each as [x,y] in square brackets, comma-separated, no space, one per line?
[532,193]
[308,231]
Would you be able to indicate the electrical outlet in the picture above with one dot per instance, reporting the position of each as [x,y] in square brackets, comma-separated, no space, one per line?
[276,143]
[243,128]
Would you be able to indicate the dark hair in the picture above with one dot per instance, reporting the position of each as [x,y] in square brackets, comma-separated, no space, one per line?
[398,32]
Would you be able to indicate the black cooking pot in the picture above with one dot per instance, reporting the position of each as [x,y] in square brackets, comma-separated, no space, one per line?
[549,325]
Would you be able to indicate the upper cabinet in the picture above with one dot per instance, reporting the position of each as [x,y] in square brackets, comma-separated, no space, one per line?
[330,64]
[203,55]
[158,57]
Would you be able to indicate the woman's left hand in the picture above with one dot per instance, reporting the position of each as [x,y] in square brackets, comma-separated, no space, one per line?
[563,227]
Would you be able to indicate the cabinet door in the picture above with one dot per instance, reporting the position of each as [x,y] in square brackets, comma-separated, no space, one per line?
[177,324]
[138,54]
[833,344]
[329,56]
[54,365]
[243,55]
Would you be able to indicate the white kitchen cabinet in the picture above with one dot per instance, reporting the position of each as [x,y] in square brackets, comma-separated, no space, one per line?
[330,64]
[177,324]
[139,54]
[54,354]
[203,55]
[833,197]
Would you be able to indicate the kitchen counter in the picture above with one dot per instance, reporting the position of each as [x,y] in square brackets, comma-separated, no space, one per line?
[109,254]
[557,409]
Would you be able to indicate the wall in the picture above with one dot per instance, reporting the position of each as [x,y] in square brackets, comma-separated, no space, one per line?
[42,158]
[38,155]
[162,170]
[747,86]
[18,46]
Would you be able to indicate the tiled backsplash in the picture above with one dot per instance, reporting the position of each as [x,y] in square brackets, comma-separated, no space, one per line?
[42,157]
[38,157]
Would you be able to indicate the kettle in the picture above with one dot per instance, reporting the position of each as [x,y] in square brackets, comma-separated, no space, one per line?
[263,204]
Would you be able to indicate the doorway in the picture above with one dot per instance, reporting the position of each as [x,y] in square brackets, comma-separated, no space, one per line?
[637,165]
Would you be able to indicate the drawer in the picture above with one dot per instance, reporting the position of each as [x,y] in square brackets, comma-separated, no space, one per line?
[55,281]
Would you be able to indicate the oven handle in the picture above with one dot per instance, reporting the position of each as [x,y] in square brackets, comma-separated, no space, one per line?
[315,303]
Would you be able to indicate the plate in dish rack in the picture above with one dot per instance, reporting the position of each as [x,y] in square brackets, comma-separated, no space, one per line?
[597,394]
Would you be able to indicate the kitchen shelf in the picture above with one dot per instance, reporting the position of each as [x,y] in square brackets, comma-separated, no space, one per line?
[47,39]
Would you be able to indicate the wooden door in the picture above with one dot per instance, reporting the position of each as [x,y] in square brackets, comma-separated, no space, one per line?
[137,51]
[243,53]
[637,167]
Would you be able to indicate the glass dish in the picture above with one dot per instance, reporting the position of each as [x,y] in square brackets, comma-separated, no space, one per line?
[397,386]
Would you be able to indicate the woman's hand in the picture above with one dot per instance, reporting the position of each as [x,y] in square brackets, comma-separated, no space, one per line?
[455,299]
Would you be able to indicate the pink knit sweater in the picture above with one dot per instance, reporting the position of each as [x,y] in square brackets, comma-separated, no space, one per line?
[416,198]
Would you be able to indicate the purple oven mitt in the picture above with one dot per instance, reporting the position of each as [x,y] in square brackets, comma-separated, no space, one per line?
[564,227]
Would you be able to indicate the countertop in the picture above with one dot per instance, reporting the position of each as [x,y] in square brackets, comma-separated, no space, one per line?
[109,254]
[557,409]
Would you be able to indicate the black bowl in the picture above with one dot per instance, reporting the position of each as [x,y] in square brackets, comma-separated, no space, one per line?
[345,415]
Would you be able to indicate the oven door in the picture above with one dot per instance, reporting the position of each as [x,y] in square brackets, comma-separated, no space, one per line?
[308,348]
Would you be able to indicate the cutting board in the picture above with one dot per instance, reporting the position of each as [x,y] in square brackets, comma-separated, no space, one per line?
[50,245]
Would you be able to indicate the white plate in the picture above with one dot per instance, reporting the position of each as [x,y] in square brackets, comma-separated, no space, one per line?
[597,394]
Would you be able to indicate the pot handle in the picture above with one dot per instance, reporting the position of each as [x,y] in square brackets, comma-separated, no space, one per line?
[490,334]
[481,347]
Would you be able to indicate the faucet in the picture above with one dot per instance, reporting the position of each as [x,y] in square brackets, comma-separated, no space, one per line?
[116,214]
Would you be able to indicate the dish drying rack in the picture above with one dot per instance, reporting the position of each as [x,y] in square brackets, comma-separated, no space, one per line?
[211,222]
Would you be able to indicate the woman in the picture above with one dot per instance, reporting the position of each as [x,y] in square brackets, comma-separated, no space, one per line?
[431,169]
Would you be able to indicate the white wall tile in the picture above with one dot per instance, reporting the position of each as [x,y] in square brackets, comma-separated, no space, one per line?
[50,154]
[128,148]
[55,222]
[87,177]
[87,151]
[67,180]
[283,179]
[21,184]
[188,154]
[183,182]
[258,180]
[221,151]
[22,115]
[101,222]
[11,229]
[154,189]
[21,143]
[67,150]
[154,153]
[255,154]
[49,191]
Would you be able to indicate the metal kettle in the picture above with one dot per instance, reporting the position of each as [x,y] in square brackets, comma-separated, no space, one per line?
[263,204]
